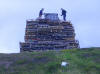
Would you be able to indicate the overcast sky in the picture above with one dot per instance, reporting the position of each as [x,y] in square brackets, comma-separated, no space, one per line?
[84,15]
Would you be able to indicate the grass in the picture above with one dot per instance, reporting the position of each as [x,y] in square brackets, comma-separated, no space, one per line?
[81,61]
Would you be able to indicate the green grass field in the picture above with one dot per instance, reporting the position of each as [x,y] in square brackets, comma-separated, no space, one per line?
[84,61]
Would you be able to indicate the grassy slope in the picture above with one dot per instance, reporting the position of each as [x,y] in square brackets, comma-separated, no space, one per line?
[85,61]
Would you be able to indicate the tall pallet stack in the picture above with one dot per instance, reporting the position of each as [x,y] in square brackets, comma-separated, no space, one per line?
[49,34]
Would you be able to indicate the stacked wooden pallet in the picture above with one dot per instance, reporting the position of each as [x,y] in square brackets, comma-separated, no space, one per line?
[44,34]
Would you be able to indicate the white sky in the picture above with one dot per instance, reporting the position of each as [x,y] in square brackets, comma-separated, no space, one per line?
[84,15]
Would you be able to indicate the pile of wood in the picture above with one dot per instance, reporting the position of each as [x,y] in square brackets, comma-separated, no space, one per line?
[44,34]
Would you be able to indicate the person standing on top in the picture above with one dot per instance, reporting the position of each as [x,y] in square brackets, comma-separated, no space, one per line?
[63,14]
[41,13]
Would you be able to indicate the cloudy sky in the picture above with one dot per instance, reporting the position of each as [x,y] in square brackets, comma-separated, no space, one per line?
[84,15]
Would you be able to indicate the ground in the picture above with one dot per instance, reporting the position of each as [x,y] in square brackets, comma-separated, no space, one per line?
[81,61]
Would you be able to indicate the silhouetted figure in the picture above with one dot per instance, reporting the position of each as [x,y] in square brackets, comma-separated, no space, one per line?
[41,12]
[63,14]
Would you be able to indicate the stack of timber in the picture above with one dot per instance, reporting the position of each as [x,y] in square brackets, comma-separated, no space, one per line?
[49,34]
